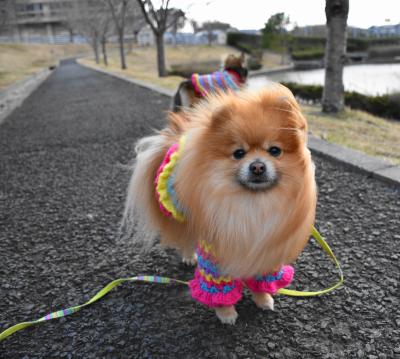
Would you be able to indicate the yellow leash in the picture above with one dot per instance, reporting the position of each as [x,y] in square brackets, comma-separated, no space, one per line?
[328,250]
[165,280]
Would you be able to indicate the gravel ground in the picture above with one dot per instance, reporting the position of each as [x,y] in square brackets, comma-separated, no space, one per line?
[62,189]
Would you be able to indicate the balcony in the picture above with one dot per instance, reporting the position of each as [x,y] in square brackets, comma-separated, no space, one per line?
[39,17]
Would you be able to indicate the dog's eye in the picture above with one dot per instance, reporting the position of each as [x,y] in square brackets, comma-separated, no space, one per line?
[239,154]
[274,151]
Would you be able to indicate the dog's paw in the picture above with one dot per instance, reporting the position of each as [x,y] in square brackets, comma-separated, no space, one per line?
[190,261]
[264,301]
[227,315]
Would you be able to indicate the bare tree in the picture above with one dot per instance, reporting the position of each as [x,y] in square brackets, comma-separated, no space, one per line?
[159,22]
[89,18]
[335,54]
[138,22]
[211,26]
[195,25]
[105,27]
[120,10]
[178,17]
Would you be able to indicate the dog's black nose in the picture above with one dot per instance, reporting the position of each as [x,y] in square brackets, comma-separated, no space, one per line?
[257,168]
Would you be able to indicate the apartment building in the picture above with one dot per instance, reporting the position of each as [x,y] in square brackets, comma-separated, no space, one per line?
[38,21]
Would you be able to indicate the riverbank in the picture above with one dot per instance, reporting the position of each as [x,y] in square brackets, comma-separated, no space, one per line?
[368,79]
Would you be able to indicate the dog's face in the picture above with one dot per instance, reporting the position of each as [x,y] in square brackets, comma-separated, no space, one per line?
[233,61]
[255,143]
[237,63]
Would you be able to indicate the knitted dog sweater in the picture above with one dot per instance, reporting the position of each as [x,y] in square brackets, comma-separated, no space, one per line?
[213,289]
[219,80]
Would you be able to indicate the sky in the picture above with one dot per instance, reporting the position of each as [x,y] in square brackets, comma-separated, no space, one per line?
[252,14]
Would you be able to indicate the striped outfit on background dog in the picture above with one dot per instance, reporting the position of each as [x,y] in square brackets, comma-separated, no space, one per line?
[219,80]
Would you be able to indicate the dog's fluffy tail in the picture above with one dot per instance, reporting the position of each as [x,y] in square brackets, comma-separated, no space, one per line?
[137,223]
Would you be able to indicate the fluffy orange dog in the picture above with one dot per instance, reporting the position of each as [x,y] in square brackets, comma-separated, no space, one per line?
[232,181]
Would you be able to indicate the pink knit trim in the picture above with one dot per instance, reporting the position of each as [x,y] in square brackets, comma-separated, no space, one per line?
[271,287]
[198,90]
[215,299]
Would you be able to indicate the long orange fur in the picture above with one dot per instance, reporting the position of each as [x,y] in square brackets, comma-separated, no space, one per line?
[252,232]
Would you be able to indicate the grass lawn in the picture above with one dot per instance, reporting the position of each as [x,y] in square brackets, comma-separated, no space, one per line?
[141,62]
[18,61]
[358,130]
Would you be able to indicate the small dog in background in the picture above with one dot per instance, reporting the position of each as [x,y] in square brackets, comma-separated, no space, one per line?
[232,77]
[230,182]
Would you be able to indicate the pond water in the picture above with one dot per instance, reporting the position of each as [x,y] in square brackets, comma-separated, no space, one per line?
[371,79]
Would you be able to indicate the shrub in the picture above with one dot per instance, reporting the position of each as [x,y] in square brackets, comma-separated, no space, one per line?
[383,41]
[309,54]
[187,69]
[243,41]
[306,42]
[384,51]
[387,106]
[306,92]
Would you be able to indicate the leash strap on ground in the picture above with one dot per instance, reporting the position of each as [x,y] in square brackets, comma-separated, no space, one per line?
[65,312]
[328,250]
[165,280]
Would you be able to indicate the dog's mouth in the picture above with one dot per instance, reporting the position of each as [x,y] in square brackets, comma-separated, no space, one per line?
[257,184]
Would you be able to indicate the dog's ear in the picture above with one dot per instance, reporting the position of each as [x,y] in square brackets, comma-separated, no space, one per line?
[287,102]
[177,122]
[220,116]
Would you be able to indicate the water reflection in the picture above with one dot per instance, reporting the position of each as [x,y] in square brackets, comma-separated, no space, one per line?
[367,79]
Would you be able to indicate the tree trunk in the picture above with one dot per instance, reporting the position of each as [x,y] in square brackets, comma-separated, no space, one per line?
[335,55]
[104,51]
[162,71]
[95,47]
[122,50]
[210,38]
[135,37]
[71,36]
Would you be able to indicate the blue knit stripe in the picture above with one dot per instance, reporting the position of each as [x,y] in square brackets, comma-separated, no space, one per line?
[210,83]
[214,290]
[208,266]
[269,277]
[229,81]
[172,193]
[218,77]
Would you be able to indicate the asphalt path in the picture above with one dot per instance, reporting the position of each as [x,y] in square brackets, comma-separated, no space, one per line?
[63,179]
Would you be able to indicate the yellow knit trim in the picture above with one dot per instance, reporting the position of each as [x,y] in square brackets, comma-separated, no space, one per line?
[210,278]
[206,247]
[162,185]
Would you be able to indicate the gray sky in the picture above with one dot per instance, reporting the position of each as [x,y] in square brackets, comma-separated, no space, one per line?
[252,14]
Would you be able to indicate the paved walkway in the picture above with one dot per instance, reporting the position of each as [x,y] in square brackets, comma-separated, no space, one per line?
[62,189]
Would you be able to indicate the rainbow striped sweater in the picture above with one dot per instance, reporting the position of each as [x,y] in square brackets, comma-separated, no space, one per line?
[217,81]
[211,288]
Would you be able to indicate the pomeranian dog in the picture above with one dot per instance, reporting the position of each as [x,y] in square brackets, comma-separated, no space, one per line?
[232,77]
[230,184]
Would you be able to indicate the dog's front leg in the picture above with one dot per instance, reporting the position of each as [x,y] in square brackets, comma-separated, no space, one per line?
[263,300]
[227,315]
